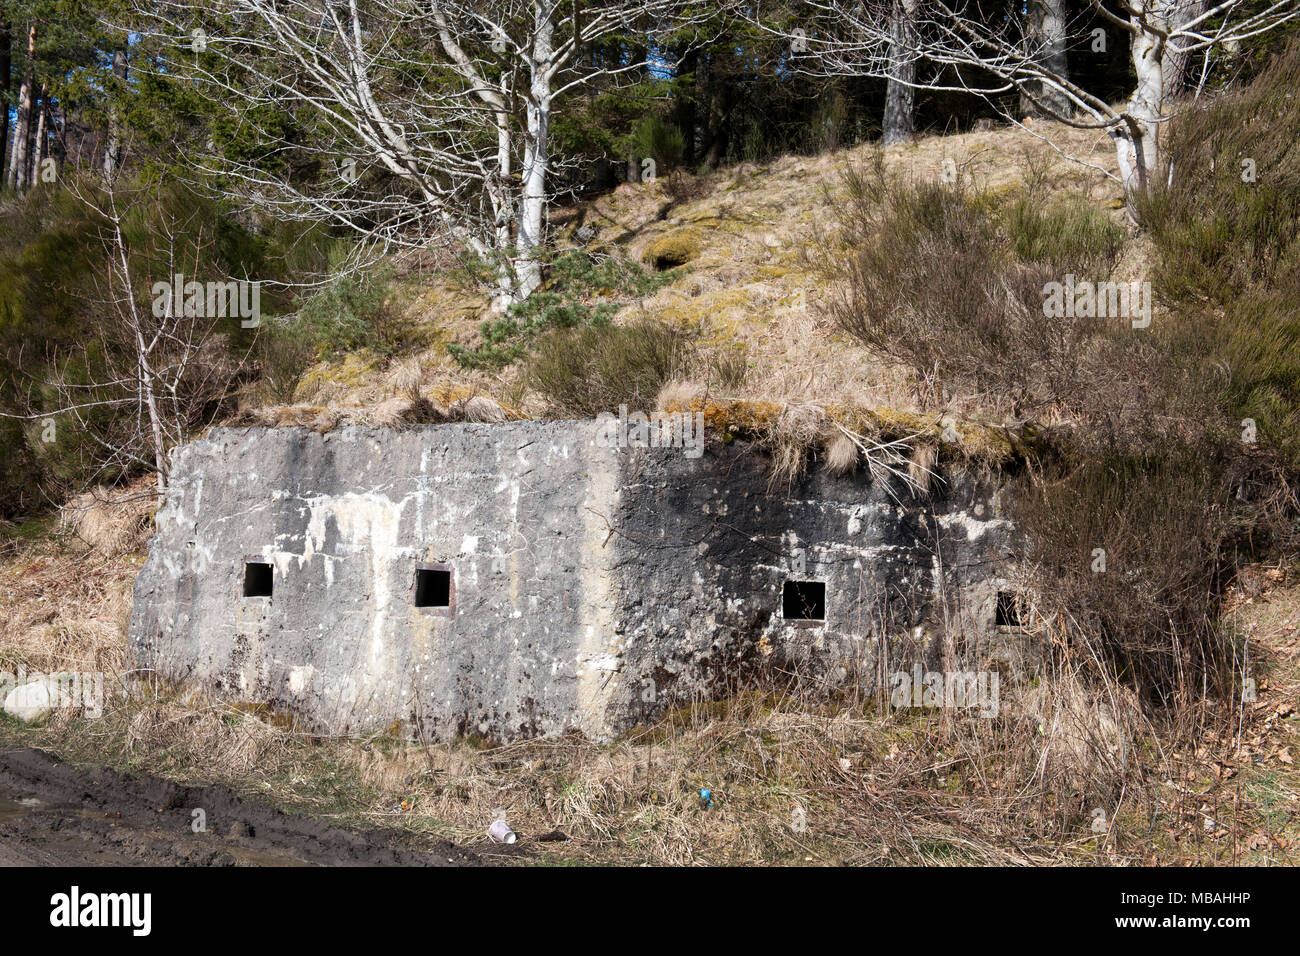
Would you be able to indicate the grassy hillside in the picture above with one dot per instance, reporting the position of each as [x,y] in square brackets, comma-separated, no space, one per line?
[751,289]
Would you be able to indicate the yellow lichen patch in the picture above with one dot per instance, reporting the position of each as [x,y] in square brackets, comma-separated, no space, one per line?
[447,299]
[674,249]
[325,381]
[956,438]
[735,418]
[705,218]
[692,313]
[446,394]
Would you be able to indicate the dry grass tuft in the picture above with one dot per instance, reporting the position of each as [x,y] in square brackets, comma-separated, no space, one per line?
[1087,731]
[391,413]
[64,609]
[234,744]
[679,396]
[921,464]
[841,456]
[478,408]
[112,521]
[795,434]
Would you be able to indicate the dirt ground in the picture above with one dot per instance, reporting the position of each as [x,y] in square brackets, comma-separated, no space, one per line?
[56,814]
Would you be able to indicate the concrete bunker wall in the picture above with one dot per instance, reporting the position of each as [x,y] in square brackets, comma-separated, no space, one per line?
[573,585]
[707,551]
[345,520]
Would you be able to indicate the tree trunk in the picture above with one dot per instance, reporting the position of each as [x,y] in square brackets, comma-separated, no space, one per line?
[532,213]
[719,106]
[1135,141]
[1176,65]
[1045,33]
[718,112]
[19,160]
[684,112]
[42,128]
[502,197]
[113,152]
[900,95]
[6,78]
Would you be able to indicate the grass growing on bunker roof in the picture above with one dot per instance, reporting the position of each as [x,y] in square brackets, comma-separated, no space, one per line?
[750,291]
[581,290]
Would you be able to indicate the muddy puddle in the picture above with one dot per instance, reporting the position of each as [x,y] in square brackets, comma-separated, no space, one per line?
[10,808]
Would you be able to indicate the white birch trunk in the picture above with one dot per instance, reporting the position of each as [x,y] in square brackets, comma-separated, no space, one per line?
[532,212]
[1136,143]
[20,160]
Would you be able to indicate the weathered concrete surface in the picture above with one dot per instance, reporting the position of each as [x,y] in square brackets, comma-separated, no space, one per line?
[705,550]
[593,586]
[345,518]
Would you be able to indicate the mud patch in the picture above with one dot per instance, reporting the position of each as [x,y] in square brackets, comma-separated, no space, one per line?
[57,814]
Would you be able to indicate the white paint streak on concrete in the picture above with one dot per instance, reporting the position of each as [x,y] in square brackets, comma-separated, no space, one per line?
[370,522]
[973,527]
[597,607]
[300,678]
[420,497]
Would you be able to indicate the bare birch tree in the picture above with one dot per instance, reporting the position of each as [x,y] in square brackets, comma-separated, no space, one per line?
[143,379]
[429,121]
[965,51]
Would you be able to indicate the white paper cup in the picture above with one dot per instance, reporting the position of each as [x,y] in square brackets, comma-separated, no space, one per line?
[501,832]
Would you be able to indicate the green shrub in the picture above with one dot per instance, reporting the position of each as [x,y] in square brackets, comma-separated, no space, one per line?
[1257,356]
[933,280]
[660,141]
[585,371]
[349,313]
[284,351]
[580,290]
[1071,236]
[1227,259]
[1217,234]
